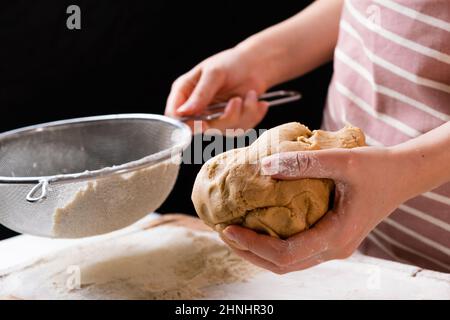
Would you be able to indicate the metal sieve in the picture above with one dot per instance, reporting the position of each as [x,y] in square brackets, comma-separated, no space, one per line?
[44,167]
[87,176]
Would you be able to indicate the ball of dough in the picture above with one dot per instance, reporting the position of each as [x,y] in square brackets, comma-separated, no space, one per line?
[229,188]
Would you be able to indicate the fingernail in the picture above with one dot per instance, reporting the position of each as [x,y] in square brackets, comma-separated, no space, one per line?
[183,108]
[270,166]
[235,100]
[233,240]
[230,236]
[251,95]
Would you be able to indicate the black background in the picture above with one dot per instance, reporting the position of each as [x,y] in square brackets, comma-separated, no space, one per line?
[124,59]
[283,309]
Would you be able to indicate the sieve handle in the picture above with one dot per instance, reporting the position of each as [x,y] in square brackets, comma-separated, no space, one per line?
[273,98]
[42,188]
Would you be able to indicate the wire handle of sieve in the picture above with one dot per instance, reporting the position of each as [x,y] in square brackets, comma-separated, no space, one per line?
[42,186]
[274,98]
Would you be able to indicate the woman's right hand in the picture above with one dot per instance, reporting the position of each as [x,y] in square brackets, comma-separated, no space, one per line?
[233,75]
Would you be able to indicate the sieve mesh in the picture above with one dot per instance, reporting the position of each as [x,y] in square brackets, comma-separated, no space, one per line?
[74,148]
[57,151]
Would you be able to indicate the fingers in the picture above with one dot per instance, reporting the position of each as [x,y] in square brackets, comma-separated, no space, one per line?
[310,262]
[241,114]
[309,248]
[319,241]
[238,114]
[331,163]
[204,92]
[231,116]
[329,239]
[253,111]
[234,245]
[269,248]
[260,262]
[194,91]
[314,243]
[181,90]
[244,116]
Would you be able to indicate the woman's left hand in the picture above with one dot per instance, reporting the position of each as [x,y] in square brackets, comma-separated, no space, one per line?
[370,184]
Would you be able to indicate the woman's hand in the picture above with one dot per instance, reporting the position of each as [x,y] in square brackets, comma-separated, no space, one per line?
[370,183]
[233,75]
[369,186]
[275,55]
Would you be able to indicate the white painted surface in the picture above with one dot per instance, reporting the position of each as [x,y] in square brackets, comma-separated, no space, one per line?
[354,278]
[358,277]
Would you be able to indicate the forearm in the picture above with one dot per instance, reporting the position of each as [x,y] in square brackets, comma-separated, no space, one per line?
[297,45]
[424,162]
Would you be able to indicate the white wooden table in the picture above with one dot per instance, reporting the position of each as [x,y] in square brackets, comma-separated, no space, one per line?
[358,277]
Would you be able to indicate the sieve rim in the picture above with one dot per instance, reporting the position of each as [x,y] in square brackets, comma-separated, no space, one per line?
[160,156]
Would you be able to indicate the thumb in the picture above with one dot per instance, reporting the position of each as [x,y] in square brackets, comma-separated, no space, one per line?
[332,164]
[203,94]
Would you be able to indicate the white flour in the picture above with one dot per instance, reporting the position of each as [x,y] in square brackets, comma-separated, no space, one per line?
[114,202]
[165,262]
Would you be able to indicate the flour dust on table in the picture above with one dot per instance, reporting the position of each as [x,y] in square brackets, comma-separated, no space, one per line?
[163,262]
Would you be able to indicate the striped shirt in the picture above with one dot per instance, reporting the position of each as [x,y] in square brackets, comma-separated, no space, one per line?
[392,79]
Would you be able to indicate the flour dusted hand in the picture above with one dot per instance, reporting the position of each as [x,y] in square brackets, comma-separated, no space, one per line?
[230,188]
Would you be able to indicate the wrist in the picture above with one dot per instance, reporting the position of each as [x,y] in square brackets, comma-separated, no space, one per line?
[264,59]
[418,169]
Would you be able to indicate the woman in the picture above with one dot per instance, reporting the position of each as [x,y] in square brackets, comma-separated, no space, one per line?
[391,79]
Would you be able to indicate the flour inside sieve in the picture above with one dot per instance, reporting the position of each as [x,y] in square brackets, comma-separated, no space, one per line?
[114,202]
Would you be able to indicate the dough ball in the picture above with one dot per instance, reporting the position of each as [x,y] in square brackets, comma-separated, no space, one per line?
[229,188]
